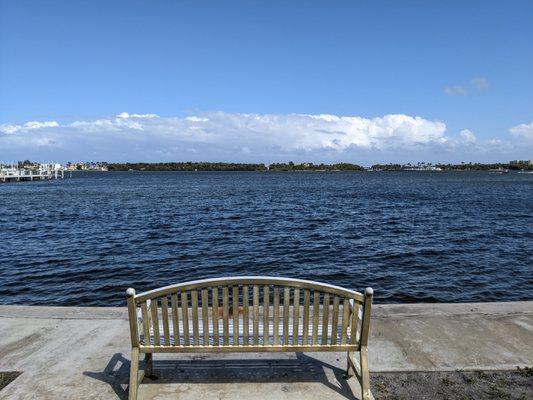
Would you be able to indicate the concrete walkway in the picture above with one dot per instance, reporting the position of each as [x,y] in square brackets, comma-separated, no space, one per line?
[83,353]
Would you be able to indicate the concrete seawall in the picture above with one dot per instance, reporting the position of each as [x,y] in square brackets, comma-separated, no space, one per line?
[83,352]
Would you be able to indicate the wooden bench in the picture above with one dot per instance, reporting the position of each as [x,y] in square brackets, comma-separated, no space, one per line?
[249,314]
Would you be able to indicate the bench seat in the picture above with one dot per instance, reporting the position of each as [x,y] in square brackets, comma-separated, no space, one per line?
[211,342]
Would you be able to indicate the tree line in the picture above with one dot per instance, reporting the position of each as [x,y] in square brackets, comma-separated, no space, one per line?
[219,166]
[291,166]
[186,166]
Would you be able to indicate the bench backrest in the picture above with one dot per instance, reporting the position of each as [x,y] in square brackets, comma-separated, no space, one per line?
[249,314]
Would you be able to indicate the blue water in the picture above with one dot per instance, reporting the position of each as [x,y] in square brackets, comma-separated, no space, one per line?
[413,236]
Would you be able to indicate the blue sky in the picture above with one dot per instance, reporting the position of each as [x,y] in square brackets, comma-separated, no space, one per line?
[266,81]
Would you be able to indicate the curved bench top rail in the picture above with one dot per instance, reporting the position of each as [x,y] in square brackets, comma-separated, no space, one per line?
[250,280]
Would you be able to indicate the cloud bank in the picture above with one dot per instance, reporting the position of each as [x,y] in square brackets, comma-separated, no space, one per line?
[523,131]
[221,136]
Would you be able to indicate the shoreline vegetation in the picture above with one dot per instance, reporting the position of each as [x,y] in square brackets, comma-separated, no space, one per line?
[525,166]
[292,167]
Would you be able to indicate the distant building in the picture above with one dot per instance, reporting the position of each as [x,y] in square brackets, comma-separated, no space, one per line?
[521,162]
[87,166]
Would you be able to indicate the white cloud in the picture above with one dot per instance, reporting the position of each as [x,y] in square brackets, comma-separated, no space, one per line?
[28,126]
[468,136]
[220,136]
[481,84]
[478,84]
[125,115]
[455,90]
[196,119]
[523,131]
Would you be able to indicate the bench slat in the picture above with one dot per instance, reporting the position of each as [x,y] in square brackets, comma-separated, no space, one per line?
[296,316]
[185,318]
[175,320]
[306,317]
[316,307]
[335,320]
[205,316]
[345,317]
[256,314]
[195,322]
[275,327]
[214,311]
[146,323]
[235,307]
[164,313]
[266,318]
[325,318]
[225,315]
[286,305]
[155,321]
[353,323]
[245,316]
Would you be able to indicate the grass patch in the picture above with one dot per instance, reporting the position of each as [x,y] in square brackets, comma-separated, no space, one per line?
[462,385]
[526,372]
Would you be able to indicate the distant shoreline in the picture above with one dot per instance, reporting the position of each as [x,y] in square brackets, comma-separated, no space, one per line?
[308,171]
[524,166]
[310,167]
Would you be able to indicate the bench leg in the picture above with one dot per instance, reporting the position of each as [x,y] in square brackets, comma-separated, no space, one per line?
[365,375]
[348,366]
[148,365]
[134,374]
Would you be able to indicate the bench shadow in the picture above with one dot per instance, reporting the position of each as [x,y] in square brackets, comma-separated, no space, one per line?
[116,374]
[202,370]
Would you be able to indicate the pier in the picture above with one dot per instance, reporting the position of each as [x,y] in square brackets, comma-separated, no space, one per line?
[34,172]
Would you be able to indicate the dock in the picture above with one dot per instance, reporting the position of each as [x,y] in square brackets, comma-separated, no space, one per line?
[38,172]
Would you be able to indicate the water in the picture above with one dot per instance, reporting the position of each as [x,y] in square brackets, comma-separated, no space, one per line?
[413,236]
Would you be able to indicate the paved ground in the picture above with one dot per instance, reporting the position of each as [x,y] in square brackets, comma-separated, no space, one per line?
[83,353]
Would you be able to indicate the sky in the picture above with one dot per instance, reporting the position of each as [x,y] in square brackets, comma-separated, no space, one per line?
[266,81]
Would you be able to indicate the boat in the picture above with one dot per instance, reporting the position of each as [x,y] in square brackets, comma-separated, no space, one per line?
[499,171]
